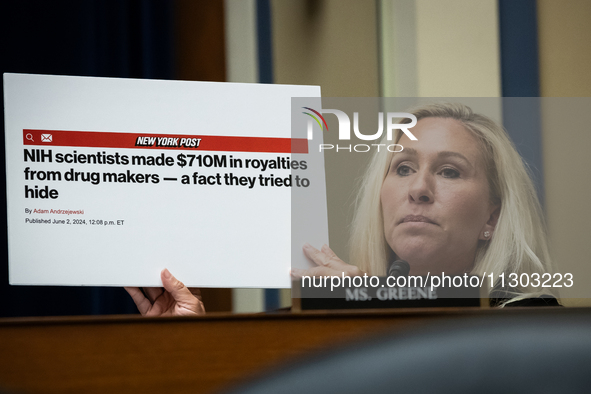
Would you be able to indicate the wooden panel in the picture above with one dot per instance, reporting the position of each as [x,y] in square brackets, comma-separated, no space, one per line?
[217,300]
[182,355]
[200,41]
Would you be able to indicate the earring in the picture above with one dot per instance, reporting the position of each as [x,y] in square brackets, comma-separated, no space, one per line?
[486,234]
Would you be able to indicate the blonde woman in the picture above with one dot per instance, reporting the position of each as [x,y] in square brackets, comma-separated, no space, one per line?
[457,200]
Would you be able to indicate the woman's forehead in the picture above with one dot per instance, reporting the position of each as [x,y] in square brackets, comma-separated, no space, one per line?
[442,134]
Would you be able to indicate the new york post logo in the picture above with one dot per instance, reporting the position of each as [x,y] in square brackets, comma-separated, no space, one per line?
[345,129]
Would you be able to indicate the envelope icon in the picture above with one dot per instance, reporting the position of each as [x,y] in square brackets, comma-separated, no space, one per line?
[46,138]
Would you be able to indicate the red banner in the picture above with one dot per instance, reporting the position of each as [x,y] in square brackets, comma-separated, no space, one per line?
[97,139]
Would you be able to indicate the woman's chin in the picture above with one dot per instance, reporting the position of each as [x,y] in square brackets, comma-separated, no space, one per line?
[418,250]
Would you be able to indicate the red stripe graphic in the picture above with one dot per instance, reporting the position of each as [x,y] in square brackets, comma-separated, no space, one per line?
[97,139]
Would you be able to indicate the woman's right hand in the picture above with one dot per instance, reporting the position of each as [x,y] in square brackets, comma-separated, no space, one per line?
[175,299]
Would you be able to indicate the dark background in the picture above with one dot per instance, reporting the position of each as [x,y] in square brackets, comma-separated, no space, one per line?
[180,39]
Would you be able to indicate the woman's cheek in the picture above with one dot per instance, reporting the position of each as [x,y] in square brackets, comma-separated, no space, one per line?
[466,208]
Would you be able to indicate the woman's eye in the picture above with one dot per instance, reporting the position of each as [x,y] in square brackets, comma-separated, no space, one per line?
[403,170]
[450,173]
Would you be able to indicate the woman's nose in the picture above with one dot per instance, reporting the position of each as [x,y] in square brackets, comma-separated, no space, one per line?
[421,189]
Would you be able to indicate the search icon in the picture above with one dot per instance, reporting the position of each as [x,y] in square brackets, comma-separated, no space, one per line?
[29,137]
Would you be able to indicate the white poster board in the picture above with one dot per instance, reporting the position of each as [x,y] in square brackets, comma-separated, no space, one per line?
[111,180]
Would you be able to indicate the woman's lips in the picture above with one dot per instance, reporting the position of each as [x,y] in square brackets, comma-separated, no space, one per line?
[416,219]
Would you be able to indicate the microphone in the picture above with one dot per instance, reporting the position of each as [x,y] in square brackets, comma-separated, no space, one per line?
[398,268]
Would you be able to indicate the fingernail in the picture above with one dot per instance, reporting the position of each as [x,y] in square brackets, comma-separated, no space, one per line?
[308,246]
[166,273]
[296,272]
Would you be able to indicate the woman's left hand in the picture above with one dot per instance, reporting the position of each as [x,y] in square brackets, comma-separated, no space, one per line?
[329,264]
[175,299]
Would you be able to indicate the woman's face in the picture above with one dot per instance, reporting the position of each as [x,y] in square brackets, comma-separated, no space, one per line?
[435,199]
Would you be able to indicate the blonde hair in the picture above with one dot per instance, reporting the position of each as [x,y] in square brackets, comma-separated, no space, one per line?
[519,241]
